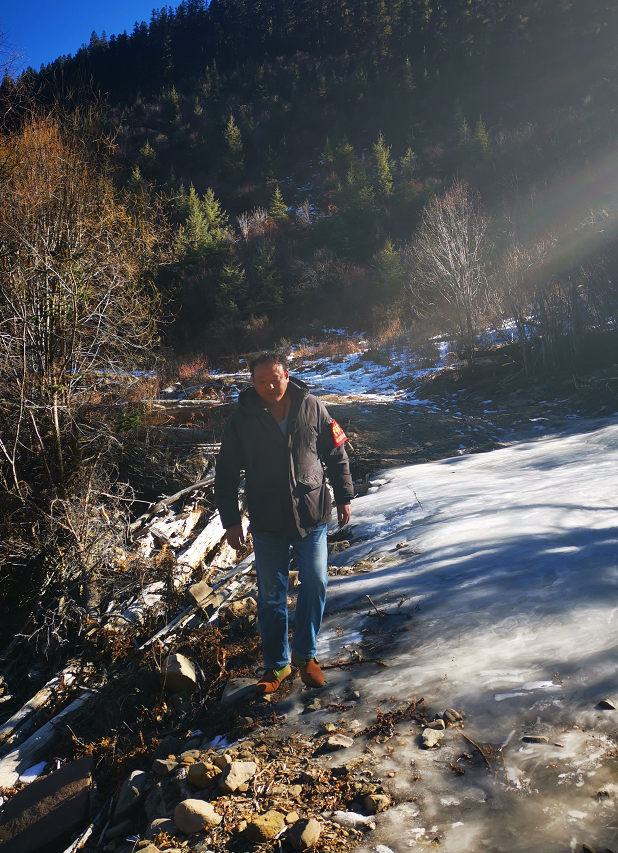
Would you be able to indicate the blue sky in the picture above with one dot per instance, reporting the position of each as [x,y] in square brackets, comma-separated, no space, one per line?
[40,30]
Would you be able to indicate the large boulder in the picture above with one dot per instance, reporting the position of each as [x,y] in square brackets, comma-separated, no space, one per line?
[48,811]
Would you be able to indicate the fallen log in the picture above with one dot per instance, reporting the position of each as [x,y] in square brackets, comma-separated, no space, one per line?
[164,502]
[32,750]
[19,720]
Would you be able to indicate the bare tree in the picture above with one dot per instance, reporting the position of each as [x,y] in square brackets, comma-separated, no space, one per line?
[76,311]
[447,262]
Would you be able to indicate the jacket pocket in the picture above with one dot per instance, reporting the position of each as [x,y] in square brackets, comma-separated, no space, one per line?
[312,497]
[311,479]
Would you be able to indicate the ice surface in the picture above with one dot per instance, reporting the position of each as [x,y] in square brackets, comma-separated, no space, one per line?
[498,593]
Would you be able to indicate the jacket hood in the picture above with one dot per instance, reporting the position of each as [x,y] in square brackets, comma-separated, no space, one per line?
[249,398]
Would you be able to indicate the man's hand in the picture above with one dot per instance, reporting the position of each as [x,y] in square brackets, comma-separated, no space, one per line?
[235,536]
[343,514]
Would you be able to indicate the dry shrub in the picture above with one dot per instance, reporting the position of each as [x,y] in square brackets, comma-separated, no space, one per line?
[189,369]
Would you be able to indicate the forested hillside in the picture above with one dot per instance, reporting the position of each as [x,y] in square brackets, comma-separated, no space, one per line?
[297,143]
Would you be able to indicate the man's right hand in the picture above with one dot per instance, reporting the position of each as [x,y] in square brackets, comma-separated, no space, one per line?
[235,536]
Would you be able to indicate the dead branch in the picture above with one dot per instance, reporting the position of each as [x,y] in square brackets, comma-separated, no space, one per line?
[160,505]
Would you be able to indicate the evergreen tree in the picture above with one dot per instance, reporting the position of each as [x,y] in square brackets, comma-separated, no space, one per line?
[232,292]
[389,272]
[200,237]
[408,165]
[278,210]
[270,292]
[383,167]
[147,160]
[234,160]
[481,139]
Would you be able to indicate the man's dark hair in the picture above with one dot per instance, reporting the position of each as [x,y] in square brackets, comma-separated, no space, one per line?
[268,358]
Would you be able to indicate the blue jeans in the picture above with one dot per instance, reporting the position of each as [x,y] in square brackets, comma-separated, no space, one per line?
[272,565]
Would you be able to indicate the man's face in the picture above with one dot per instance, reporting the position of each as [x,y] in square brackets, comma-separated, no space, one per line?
[271,382]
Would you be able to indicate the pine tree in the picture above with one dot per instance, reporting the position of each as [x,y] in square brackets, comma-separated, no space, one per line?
[270,293]
[389,272]
[278,210]
[147,160]
[481,140]
[383,167]
[203,230]
[232,292]
[234,160]
[408,165]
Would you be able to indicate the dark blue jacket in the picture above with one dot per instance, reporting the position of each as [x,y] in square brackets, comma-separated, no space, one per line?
[285,475]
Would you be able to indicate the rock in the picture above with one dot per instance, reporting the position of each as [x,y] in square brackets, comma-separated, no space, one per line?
[264,827]
[239,828]
[162,824]
[48,811]
[242,611]
[222,761]
[295,790]
[452,716]
[169,746]
[202,774]
[177,674]
[328,729]
[436,724]
[120,830]
[163,766]
[236,690]
[198,593]
[375,803]
[192,816]
[606,705]
[162,798]
[535,739]
[307,778]
[292,817]
[350,820]
[339,742]
[202,846]
[431,738]
[315,705]
[189,756]
[305,834]
[236,774]
[587,848]
[148,848]
[181,703]
[132,794]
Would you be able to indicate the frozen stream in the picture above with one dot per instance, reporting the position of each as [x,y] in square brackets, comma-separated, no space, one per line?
[499,572]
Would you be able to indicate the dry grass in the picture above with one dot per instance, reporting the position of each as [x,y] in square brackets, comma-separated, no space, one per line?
[335,348]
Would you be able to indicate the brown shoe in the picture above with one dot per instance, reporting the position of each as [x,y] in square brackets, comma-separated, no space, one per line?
[271,680]
[310,671]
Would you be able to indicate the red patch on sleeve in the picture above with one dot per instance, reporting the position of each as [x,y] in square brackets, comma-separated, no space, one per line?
[339,436]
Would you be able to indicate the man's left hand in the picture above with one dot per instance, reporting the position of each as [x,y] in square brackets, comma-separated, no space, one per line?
[343,514]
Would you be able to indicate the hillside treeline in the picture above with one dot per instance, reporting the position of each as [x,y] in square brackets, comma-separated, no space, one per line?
[296,145]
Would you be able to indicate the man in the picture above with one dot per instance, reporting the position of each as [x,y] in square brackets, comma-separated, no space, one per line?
[283,437]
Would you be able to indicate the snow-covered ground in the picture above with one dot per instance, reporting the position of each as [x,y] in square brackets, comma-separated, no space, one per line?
[497,579]
[499,575]
[357,378]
